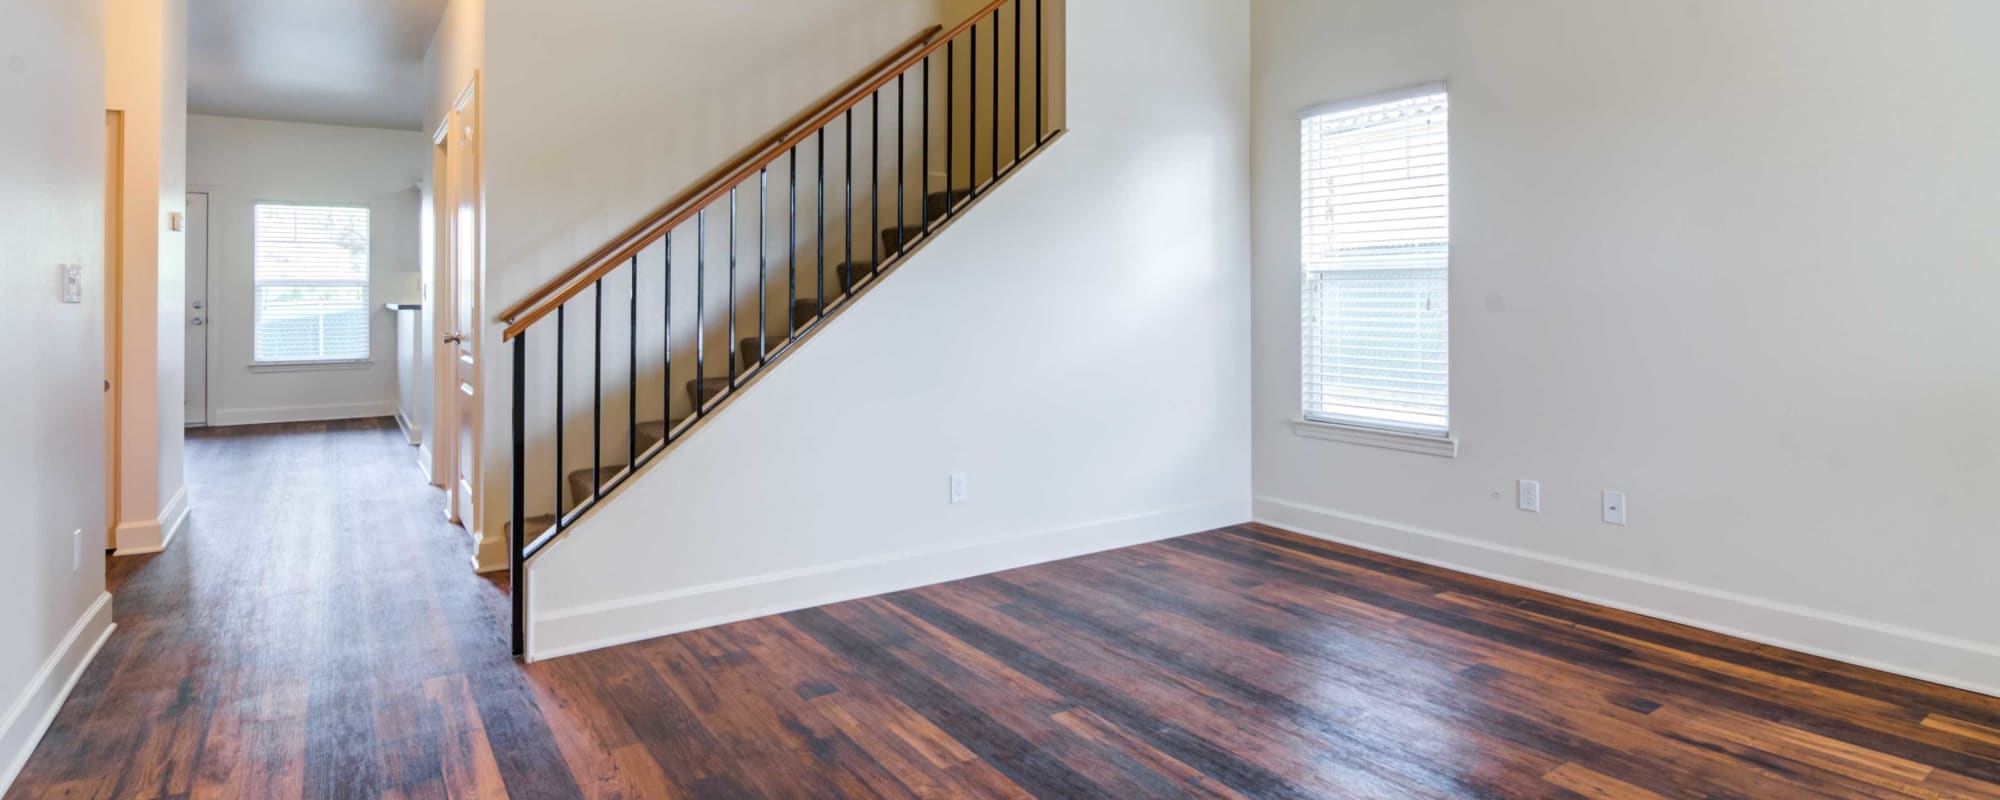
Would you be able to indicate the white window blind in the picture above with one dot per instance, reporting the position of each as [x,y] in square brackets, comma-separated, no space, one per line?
[311,275]
[1377,238]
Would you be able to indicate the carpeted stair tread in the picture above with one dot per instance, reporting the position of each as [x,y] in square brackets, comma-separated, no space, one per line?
[645,435]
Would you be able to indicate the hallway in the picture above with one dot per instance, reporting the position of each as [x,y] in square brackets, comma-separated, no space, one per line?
[318,611]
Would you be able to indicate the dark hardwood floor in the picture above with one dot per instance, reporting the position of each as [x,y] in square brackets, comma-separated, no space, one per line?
[317,633]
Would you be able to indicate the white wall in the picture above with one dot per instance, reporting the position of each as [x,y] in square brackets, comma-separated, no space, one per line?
[649,96]
[52,73]
[241,162]
[1737,258]
[146,79]
[1078,345]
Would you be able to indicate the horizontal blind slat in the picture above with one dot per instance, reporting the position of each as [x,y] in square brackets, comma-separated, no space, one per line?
[310,275]
[1375,225]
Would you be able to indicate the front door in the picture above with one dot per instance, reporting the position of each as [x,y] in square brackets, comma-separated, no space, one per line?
[196,237]
[461,345]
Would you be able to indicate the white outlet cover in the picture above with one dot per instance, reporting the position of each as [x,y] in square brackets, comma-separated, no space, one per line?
[958,487]
[1530,495]
[1614,507]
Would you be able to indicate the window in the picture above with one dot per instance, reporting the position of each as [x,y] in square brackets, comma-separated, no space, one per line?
[311,268]
[1375,260]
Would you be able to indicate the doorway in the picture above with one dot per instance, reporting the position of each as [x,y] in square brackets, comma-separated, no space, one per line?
[197,309]
[458,316]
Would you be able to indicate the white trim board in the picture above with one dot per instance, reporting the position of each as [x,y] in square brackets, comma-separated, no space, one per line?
[568,631]
[1960,663]
[489,554]
[43,697]
[153,536]
[224,417]
[411,432]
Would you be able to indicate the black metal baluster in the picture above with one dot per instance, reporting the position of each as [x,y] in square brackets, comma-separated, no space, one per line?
[517,511]
[561,421]
[792,252]
[847,179]
[700,313]
[597,392]
[763,262]
[972,112]
[819,282]
[902,167]
[733,359]
[950,118]
[632,376]
[875,177]
[667,377]
[993,169]
[924,197]
[1041,30]
[1018,5]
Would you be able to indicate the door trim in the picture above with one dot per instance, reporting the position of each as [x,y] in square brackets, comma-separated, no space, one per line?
[446,390]
[114,316]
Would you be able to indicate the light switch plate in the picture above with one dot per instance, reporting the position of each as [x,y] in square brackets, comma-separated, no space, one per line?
[72,282]
[176,220]
[958,489]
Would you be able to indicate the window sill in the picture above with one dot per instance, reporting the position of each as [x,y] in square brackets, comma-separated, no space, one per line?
[310,366]
[1443,446]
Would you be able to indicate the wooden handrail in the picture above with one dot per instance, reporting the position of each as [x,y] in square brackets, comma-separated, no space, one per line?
[716,189]
[717,175]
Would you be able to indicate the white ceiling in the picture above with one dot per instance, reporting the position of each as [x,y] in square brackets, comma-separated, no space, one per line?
[337,62]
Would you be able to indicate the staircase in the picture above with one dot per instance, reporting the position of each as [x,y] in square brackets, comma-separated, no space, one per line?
[902,151]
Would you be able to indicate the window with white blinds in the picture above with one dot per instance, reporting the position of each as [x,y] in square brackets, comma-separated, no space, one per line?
[311,276]
[1376,258]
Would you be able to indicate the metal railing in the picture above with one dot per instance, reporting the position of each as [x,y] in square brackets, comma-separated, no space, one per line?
[545,314]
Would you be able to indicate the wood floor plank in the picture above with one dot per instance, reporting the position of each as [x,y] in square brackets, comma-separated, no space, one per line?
[470,770]
[315,633]
[1586,782]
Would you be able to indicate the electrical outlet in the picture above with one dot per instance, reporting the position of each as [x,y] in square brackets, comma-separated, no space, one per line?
[1614,507]
[1530,495]
[958,482]
[76,550]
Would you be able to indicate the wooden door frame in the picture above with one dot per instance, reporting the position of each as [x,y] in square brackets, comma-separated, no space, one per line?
[445,394]
[114,315]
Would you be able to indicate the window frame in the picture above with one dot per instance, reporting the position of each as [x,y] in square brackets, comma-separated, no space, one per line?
[367,295]
[1383,433]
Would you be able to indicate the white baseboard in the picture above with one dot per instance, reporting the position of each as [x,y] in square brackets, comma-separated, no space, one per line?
[574,630]
[1969,665]
[31,713]
[411,432]
[225,417]
[424,464]
[153,536]
[489,554]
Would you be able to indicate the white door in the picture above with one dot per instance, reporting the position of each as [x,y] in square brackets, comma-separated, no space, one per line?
[461,345]
[196,236]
